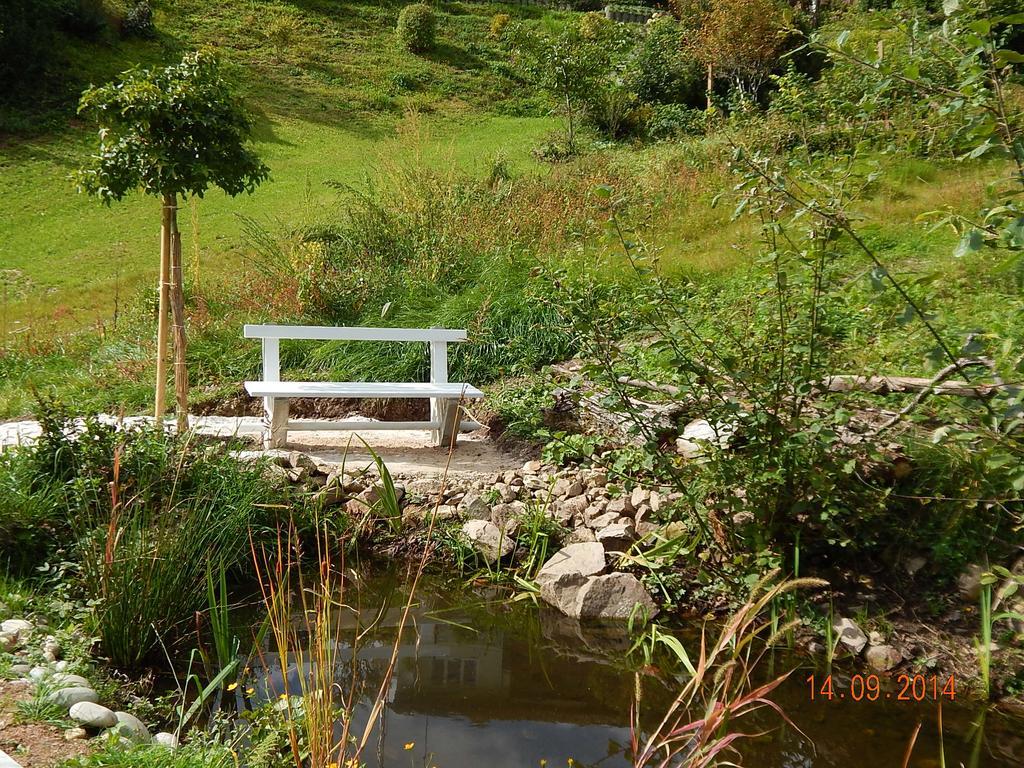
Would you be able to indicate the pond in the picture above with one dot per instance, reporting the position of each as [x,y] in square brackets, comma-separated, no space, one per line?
[484,682]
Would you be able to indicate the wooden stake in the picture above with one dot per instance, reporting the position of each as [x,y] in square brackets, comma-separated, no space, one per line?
[161,326]
[178,317]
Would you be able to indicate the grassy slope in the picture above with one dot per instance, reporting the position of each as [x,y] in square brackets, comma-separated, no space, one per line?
[329,105]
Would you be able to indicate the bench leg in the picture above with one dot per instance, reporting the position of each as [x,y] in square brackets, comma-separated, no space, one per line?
[448,415]
[276,422]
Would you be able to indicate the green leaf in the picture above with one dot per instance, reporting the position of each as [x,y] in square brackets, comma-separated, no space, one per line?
[1013,18]
[1004,57]
[842,38]
[970,242]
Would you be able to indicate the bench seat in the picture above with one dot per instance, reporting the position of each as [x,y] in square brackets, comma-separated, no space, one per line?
[361,389]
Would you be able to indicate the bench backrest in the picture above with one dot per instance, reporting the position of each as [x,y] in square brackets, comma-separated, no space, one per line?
[271,335]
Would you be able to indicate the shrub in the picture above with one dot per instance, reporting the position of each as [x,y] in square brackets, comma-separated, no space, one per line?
[416,27]
[661,71]
[138,20]
[593,25]
[672,121]
[499,24]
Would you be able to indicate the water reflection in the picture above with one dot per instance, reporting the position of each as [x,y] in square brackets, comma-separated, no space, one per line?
[479,682]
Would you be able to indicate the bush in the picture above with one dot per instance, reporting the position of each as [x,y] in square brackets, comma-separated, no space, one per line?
[416,27]
[672,121]
[661,71]
[138,20]
[499,23]
[593,25]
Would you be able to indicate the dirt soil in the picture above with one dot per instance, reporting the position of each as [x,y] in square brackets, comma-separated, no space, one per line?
[32,745]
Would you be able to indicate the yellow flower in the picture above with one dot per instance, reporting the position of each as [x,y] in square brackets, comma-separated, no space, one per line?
[250,691]
[283,696]
[410,745]
[232,686]
[543,762]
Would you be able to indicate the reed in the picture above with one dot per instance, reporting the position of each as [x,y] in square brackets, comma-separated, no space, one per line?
[698,728]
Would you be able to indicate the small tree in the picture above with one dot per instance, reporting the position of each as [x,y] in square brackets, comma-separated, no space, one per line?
[569,67]
[173,131]
[742,40]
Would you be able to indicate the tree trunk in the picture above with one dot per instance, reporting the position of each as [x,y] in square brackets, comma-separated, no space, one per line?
[178,316]
[161,324]
[710,86]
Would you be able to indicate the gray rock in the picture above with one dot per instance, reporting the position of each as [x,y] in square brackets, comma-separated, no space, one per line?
[76,734]
[488,540]
[65,698]
[38,673]
[92,715]
[8,642]
[165,739]
[64,680]
[130,727]
[850,635]
[639,496]
[565,511]
[581,559]
[561,590]
[969,582]
[532,467]
[474,507]
[20,628]
[882,658]
[51,649]
[620,506]
[299,460]
[603,520]
[617,535]
[21,669]
[581,535]
[700,434]
[614,596]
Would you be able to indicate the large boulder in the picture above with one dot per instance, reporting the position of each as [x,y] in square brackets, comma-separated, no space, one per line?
[92,715]
[614,596]
[489,541]
[699,434]
[20,628]
[567,571]
[130,727]
[65,698]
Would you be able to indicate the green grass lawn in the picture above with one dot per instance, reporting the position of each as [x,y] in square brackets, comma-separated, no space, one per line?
[331,104]
[65,256]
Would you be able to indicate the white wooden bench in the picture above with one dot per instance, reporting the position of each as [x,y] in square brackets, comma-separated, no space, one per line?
[445,397]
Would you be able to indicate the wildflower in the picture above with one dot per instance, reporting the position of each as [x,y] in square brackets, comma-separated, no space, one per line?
[250,691]
[283,696]
[232,686]
[543,762]
[410,745]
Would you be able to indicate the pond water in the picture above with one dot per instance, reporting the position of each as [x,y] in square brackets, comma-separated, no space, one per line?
[481,682]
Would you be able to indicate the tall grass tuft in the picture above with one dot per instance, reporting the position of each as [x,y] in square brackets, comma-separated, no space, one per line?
[698,728]
[145,513]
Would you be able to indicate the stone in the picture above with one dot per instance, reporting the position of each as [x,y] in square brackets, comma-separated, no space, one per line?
[297,474]
[604,520]
[38,673]
[882,658]
[474,507]
[92,715]
[131,728]
[914,564]
[969,583]
[617,535]
[76,734]
[655,501]
[488,540]
[564,488]
[65,680]
[275,474]
[8,642]
[65,698]
[165,739]
[534,483]
[20,628]
[581,535]
[699,434]
[639,496]
[646,528]
[614,596]
[51,649]
[850,635]
[299,460]
[598,479]
[565,511]
[21,670]
[562,589]
[586,559]
[620,506]
[532,467]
